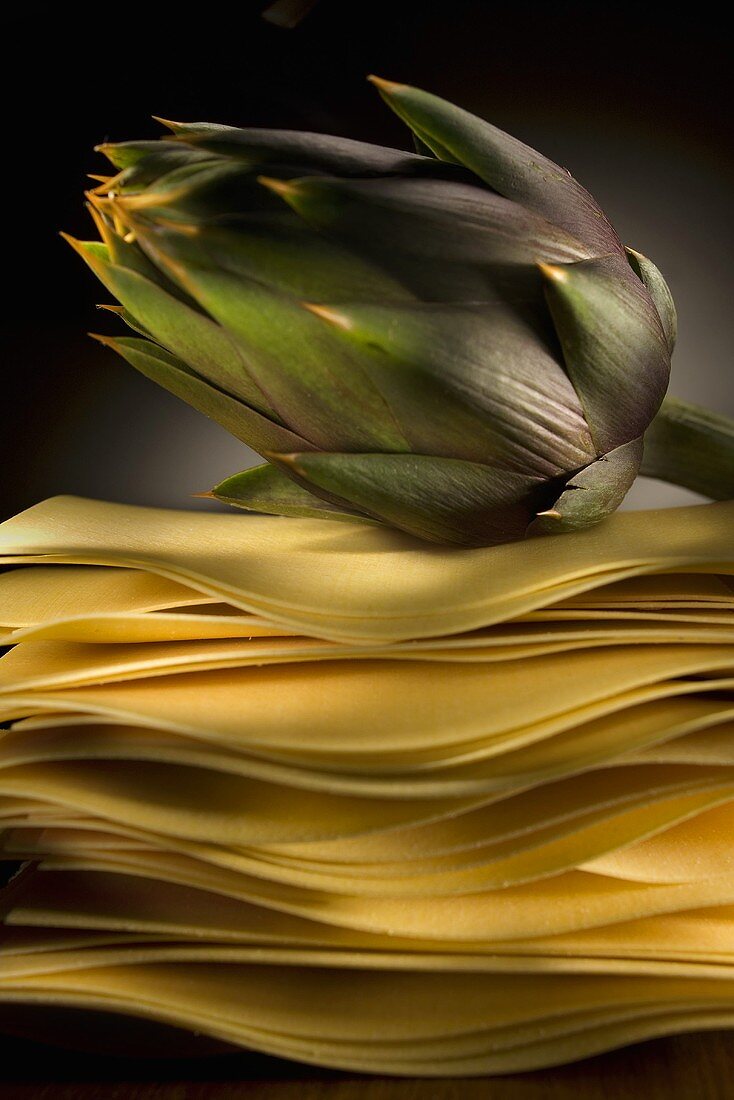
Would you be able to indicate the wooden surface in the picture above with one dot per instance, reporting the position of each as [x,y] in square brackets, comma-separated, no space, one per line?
[699,1067]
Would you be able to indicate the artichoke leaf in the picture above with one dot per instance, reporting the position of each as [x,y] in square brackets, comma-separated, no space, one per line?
[127,254]
[313,382]
[422,149]
[141,163]
[278,250]
[186,333]
[514,400]
[203,190]
[613,345]
[268,489]
[131,322]
[506,164]
[593,493]
[443,500]
[434,417]
[432,219]
[659,291]
[124,154]
[136,326]
[244,423]
[294,150]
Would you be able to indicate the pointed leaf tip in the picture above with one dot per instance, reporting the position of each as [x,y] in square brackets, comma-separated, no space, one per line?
[331,316]
[284,188]
[168,123]
[385,86]
[553,272]
[268,490]
[108,341]
[76,244]
[509,166]
[288,458]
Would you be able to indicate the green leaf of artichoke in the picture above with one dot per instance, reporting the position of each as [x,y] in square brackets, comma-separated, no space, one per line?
[268,489]
[440,499]
[502,387]
[296,151]
[613,345]
[659,291]
[506,164]
[246,424]
[593,493]
[312,382]
[188,334]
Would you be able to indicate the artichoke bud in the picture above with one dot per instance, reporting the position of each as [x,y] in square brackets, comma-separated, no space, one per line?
[452,342]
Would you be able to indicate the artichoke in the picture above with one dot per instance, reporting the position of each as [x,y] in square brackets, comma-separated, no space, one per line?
[453,342]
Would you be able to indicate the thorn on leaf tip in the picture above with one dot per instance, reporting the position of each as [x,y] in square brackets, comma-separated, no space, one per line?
[384,85]
[331,316]
[551,271]
[280,187]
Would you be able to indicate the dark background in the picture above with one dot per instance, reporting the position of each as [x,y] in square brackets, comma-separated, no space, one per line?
[635,102]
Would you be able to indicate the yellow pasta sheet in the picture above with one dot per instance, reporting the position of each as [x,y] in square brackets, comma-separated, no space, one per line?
[567,902]
[51,664]
[526,836]
[586,841]
[106,605]
[331,710]
[100,604]
[353,583]
[54,904]
[587,737]
[438,1023]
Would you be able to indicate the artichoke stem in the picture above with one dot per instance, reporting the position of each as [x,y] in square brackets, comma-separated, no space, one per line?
[693,447]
